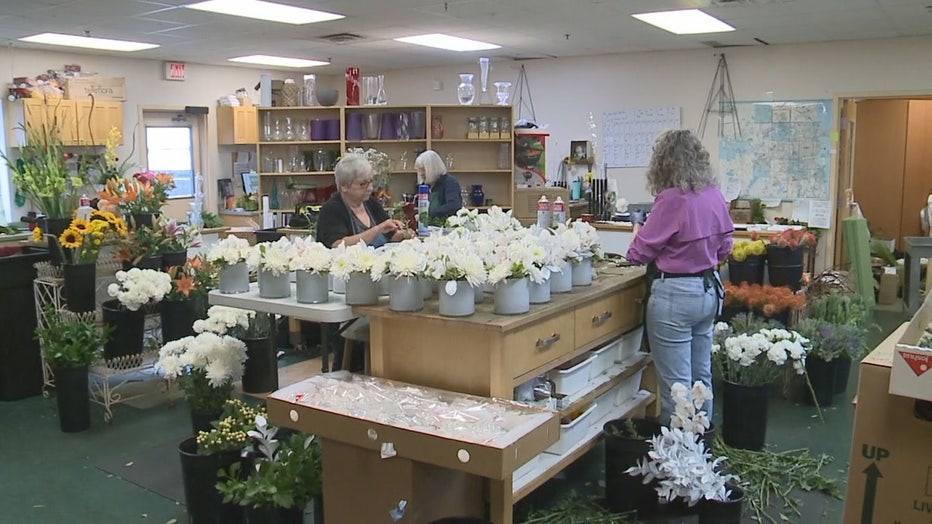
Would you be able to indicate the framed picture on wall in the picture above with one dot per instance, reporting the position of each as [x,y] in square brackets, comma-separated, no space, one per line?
[250,182]
[225,188]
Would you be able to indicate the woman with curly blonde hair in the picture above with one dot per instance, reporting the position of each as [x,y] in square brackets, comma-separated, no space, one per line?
[688,234]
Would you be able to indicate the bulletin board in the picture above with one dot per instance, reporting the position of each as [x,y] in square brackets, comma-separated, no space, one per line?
[628,135]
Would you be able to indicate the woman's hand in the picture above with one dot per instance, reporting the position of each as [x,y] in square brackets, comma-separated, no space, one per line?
[390,226]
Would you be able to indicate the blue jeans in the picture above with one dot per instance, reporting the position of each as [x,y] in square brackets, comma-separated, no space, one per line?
[680,315]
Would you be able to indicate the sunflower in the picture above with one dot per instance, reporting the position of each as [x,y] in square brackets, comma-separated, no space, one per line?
[37,235]
[82,225]
[71,238]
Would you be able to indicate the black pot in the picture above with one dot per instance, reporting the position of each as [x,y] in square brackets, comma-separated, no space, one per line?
[199,474]
[203,420]
[178,318]
[140,219]
[842,371]
[744,415]
[750,270]
[260,373]
[80,287]
[128,330]
[722,512]
[821,375]
[785,266]
[622,491]
[274,515]
[53,227]
[676,512]
[174,259]
[152,262]
[71,394]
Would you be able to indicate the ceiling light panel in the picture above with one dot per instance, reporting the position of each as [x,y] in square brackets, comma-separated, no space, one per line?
[450,43]
[269,11]
[87,42]
[685,22]
[278,61]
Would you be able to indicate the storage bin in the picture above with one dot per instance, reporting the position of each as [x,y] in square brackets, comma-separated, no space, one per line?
[613,399]
[572,433]
[605,358]
[630,343]
[569,381]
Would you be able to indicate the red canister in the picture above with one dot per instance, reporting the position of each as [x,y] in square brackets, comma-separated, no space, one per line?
[352,86]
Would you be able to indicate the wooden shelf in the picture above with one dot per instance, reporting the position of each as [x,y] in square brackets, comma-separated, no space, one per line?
[297,173]
[475,171]
[300,108]
[301,142]
[605,382]
[413,140]
[549,464]
[471,140]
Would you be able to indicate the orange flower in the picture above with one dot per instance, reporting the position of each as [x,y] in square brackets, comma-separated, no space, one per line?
[131,193]
[165,179]
[185,284]
[195,263]
[124,255]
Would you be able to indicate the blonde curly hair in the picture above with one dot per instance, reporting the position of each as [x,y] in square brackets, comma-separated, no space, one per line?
[679,160]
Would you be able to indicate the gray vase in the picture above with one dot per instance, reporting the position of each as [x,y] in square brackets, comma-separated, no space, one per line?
[539,293]
[407,294]
[512,297]
[461,303]
[338,286]
[311,288]
[582,272]
[361,290]
[480,294]
[562,282]
[234,279]
[427,287]
[273,286]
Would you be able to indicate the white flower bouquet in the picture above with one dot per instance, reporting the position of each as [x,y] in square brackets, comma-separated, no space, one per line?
[755,359]
[137,287]
[223,320]
[454,257]
[678,460]
[206,366]
[464,218]
[589,245]
[495,219]
[310,256]
[358,258]
[274,257]
[407,259]
[231,250]
[515,254]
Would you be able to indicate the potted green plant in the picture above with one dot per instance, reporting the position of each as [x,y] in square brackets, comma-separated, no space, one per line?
[176,239]
[286,475]
[839,308]
[70,343]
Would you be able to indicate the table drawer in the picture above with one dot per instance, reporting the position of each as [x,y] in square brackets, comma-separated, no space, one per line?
[532,346]
[619,311]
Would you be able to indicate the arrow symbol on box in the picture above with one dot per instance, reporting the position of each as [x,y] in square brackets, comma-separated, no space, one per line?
[918,363]
[870,493]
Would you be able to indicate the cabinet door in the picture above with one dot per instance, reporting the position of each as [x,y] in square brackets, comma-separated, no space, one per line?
[245,125]
[51,115]
[96,120]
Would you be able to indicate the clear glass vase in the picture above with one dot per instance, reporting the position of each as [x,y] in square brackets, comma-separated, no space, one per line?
[502,92]
[466,91]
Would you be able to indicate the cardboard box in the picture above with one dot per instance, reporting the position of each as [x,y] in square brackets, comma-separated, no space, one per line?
[912,365]
[110,88]
[890,471]
[889,286]
[525,200]
[740,211]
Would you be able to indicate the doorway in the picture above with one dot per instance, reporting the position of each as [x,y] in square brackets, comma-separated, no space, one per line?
[173,143]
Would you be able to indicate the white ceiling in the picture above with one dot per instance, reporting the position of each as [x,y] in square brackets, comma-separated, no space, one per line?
[524,28]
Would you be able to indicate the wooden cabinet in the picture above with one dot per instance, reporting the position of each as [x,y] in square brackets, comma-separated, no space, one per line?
[79,122]
[237,125]
[96,119]
[301,144]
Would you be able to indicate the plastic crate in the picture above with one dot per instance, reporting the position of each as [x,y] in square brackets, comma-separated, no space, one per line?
[572,433]
[618,395]
[569,381]
[605,358]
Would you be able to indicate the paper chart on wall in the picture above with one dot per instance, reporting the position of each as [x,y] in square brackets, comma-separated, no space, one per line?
[628,136]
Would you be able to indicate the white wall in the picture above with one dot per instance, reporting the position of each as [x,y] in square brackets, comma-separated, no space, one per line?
[145,87]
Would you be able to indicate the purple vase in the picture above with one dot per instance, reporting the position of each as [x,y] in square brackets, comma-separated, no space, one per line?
[333,129]
[318,129]
[354,127]
[418,129]
[387,129]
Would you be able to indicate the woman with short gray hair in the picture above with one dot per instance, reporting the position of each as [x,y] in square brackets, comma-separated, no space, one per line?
[445,195]
[687,235]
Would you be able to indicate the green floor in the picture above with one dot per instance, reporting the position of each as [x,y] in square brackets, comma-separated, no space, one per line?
[52,477]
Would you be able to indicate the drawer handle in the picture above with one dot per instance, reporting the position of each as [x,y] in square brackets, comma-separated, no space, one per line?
[600,319]
[549,341]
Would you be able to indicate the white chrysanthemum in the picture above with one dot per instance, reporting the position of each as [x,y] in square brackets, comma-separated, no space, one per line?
[138,287]
[311,256]
[231,250]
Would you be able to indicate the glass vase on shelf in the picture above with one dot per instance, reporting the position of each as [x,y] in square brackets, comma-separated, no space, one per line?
[267,127]
[466,92]
[502,92]
[380,98]
[484,98]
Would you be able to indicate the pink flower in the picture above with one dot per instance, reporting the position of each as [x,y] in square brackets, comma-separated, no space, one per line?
[145,176]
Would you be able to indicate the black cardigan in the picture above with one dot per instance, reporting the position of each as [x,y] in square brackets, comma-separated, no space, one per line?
[335,220]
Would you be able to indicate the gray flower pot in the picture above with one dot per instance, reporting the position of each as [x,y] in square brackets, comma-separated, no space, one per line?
[512,297]
[427,287]
[273,286]
[582,272]
[338,286]
[361,290]
[461,303]
[407,294]
[311,288]
[234,279]
[479,294]
[562,282]
[539,293]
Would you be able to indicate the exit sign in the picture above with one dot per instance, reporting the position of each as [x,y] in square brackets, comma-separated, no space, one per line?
[174,70]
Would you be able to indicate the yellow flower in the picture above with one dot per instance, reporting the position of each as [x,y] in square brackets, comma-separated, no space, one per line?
[81,225]
[37,235]
[71,238]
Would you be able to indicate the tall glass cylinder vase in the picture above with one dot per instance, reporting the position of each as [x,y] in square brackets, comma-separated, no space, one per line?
[484,97]
[310,90]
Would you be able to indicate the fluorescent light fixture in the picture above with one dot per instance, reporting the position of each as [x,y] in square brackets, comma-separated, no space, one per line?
[87,42]
[270,11]
[685,22]
[450,43]
[282,61]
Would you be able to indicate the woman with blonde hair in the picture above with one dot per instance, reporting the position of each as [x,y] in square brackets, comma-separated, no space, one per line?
[445,195]
[688,233]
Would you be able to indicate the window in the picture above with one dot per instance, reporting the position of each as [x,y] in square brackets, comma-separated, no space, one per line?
[171,150]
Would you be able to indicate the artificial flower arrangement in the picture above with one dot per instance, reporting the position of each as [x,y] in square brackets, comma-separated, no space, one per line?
[770,300]
[757,358]
[144,192]
[176,238]
[793,238]
[274,257]
[83,239]
[140,287]
[748,248]
[358,258]
[232,429]
[678,460]
[243,324]
[407,259]
[206,366]
[195,278]
[454,257]
[310,256]
[229,251]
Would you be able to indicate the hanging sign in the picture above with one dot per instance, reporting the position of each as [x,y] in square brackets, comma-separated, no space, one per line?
[174,70]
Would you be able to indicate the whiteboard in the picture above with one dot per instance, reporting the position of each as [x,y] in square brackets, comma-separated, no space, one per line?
[629,135]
